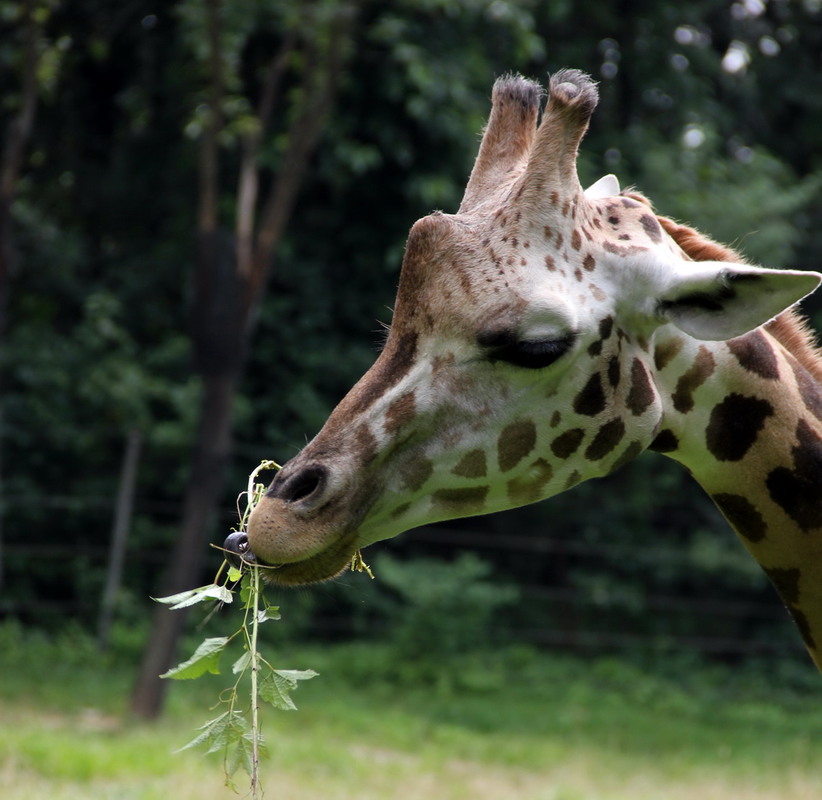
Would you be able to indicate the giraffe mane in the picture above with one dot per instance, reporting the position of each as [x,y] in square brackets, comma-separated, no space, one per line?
[791,329]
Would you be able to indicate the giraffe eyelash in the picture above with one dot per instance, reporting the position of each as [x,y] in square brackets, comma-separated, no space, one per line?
[537,354]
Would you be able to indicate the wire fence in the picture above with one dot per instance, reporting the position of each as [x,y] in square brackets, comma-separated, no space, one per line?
[556,616]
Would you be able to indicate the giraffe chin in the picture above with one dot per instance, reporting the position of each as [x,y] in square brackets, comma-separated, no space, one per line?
[315,569]
[295,554]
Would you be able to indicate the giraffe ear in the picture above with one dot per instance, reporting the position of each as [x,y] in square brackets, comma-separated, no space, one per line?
[606,186]
[716,300]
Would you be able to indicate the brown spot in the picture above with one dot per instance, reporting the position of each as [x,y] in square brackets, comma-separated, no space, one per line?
[400,413]
[578,274]
[567,443]
[598,294]
[528,488]
[549,262]
[804,626]
[642,393]
[595,348]
[651,227]
[442,363]
[566,207]
[742,515]
[809,389]
[400,510]
[573,479]
[631,452]
[756,355]
[786,582]
[623,250]
[554,198]
[624,237]
[589,263]
[556,418]
[460,501]
[466,282]
[591,400]
[515,442]
[606,327]
[415,474]
[576,240]
[665,442]
[614,371]
[597,223]
[702,369]
[613,220]
[472,465]
[365,444]
[735,424]
[606,439]
[665,353]
[393,363]
[796,490]
[559,241]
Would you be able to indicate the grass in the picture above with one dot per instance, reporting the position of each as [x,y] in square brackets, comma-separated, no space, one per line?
[518,726]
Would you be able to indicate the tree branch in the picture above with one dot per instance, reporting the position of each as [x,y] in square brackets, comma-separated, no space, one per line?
[321,77]
[20,127]
[248,184]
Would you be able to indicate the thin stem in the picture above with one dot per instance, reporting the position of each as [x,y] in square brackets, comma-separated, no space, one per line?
[255,668]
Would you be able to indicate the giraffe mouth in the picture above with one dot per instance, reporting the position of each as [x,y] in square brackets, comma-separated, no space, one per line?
[322,566]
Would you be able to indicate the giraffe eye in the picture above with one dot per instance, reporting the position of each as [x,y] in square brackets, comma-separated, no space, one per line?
[530,354]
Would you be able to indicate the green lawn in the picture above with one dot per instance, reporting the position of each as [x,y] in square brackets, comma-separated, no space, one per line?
[523,726]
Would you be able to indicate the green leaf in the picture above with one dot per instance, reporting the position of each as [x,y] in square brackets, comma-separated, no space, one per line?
[276,688]
[246,589]
[193,596]
[242,663]
[234,574]
[240,753]
[294,675]
[218,732]
[272,612]
[205,659]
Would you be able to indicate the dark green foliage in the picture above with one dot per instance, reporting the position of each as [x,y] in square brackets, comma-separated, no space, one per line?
[104,218]
[439,611]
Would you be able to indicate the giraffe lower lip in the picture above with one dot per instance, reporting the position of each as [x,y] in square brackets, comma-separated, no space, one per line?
[314,569]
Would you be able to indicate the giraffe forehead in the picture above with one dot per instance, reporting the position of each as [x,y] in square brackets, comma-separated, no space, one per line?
[501,259]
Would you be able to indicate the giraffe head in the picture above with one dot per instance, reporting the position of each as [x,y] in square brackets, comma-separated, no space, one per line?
[517,364]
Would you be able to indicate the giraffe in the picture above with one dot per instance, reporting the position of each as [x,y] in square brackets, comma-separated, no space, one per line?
[544,335]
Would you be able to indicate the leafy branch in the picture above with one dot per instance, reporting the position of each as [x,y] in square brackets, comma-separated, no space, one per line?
[236,731]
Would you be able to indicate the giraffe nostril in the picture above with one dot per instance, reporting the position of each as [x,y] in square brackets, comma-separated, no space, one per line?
[299,486]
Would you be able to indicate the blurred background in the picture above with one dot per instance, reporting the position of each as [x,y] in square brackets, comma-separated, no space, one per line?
[203,210]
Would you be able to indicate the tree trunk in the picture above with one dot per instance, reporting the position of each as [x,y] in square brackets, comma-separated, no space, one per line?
[119,535]
[202,495]
[229,283]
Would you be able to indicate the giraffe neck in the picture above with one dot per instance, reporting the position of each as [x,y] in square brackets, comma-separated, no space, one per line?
[745,417]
